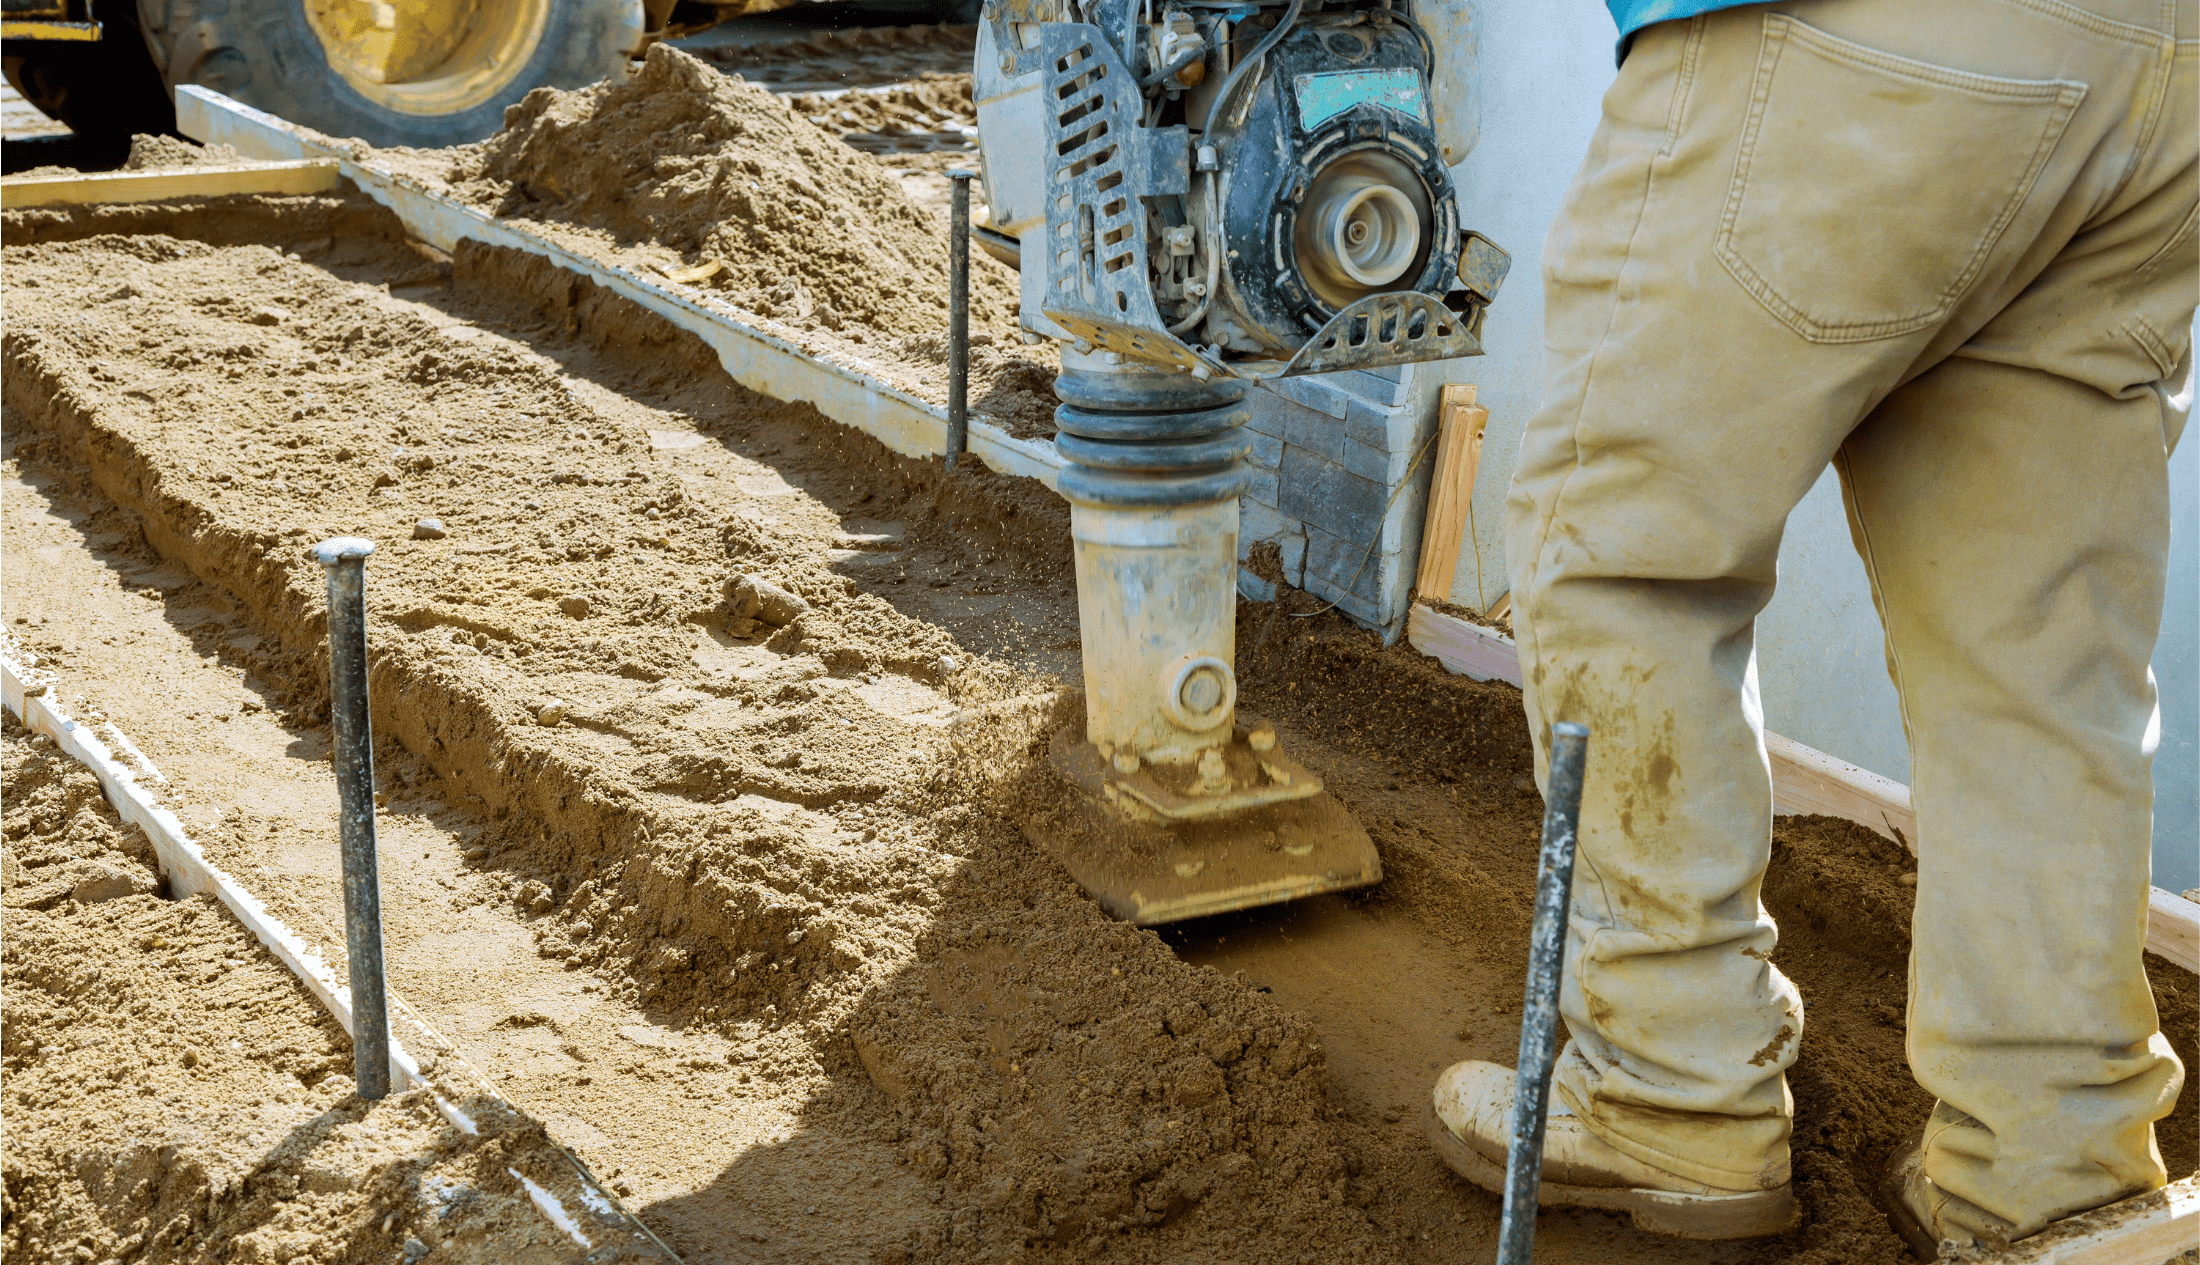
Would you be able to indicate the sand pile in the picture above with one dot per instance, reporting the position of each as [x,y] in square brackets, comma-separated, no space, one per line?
[173,1094]
[1073,1074]
[805,229]
[65,846]
[158,153]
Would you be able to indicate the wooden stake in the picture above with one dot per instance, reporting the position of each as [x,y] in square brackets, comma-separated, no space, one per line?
[1458,458]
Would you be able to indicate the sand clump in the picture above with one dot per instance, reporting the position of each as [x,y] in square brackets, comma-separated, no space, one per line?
[149,153]
[682,167]
[173,1094]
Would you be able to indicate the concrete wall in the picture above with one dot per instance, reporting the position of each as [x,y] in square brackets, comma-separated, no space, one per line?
[2177,676]
[1543,69]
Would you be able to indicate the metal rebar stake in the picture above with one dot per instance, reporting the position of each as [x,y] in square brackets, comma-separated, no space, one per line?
[958,318]
[345,559]
[1554,887]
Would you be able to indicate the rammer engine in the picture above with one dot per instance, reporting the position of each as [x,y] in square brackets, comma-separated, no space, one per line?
[1200,194]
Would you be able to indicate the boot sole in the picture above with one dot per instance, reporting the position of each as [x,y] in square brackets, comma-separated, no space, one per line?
[1745,1215]
[1900,1219]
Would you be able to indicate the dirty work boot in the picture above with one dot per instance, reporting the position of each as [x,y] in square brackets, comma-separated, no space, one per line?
[1929,1217]
[1920,1211]
[1470,1122]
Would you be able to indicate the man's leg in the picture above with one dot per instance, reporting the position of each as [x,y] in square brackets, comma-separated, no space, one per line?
[1635,587]
[1731,286]
[2012,506]
[2016,525]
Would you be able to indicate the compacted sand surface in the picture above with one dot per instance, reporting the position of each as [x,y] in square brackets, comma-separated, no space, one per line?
[737,904]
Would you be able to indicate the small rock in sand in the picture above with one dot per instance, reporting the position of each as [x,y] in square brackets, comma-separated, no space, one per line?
[575,605]
[108,884]
[755,597]
[550,713]
[429,529]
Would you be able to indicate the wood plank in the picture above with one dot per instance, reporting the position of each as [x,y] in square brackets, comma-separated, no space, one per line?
[2146,1229]
[1465,649]
[313,175]
[2173,930]
[1460,423]
[1804,779]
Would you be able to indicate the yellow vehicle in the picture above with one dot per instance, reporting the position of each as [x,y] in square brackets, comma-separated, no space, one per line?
[391,72]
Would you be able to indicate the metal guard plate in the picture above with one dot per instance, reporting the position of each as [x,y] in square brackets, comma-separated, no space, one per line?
[1387,329]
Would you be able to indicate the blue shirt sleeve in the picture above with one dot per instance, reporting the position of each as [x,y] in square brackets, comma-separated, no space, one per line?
[1633,15]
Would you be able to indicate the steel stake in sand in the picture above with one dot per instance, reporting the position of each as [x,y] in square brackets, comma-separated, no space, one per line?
[1554,888]
[958,317]
[345,559]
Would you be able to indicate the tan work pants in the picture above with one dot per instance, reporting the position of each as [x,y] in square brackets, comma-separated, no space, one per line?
[1948,248]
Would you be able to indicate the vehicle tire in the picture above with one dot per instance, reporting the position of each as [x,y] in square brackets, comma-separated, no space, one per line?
[103,90]
[293,59]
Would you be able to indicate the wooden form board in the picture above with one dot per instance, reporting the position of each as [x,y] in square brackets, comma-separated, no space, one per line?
[184,865]
[1460,423]
[2147,1229]
[313,175]
[1818,783]
[1804,780]
[2173,931]
[188,873]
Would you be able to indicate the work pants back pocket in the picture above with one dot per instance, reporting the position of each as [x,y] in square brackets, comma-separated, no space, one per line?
[1869,190]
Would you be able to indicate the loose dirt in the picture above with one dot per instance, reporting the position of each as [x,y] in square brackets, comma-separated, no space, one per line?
[682,168]
[158,153]
[150,153]
[926,105]
[829,974]
[854,57]
[173,1094]
[682,156]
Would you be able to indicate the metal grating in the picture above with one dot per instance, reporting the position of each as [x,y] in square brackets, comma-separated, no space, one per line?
[1099,162]
[1384,329]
